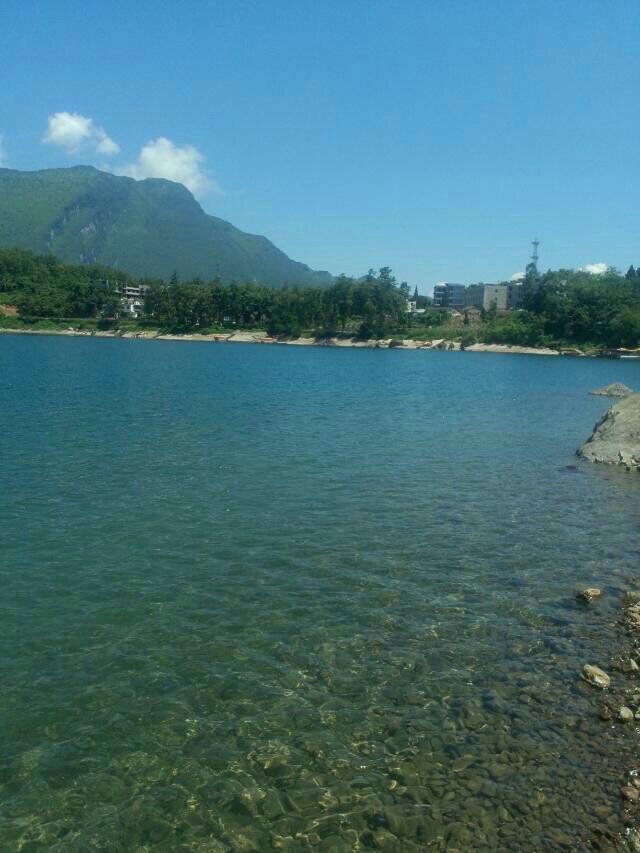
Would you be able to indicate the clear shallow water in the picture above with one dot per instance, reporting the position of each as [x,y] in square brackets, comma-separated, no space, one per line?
[260,597]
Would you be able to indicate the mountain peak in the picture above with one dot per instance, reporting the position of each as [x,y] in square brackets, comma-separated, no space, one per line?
[149,227]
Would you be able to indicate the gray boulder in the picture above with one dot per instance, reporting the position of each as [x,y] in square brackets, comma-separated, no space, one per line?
[589,593]
[616,437]
[615,389]
[595,676]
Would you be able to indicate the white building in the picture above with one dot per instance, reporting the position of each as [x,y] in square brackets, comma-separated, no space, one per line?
[132,299]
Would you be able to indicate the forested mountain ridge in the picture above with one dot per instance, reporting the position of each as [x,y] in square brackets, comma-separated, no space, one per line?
[148,228]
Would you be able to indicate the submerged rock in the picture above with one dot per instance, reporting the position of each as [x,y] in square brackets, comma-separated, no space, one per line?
[616,437]
[589,593]
[625,714]
[629,792]
[632,617]
[615,389]
[595,676]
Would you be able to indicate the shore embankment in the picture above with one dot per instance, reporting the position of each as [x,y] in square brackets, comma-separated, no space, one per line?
[258,337]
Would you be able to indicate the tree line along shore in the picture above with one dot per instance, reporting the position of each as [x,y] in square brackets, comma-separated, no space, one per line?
[561,310]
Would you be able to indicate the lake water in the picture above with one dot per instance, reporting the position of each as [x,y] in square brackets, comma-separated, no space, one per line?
[261,598]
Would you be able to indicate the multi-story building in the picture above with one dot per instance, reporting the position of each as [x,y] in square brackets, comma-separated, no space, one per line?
[495,296]
[474,296]
[448,295]
[132,298]
[457,297]
[486,296]
[514,295]
[439,296]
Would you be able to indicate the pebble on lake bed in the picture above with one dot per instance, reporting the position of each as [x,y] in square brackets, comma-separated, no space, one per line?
[589,593]
[629,792]
[595,676]
[632,617]
[625,714]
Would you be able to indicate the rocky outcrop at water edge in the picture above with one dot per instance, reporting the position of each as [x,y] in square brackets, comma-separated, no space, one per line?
[616,437]
[614,389]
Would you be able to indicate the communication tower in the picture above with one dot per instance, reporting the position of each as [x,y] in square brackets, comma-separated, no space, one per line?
[531,273]
[534,257]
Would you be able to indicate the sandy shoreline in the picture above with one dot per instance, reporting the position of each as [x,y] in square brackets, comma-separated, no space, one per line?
[263,338]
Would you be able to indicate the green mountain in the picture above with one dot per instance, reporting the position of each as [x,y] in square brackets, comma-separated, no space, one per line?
[146,228]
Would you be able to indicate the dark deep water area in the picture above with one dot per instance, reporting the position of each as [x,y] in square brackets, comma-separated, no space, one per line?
[261,598]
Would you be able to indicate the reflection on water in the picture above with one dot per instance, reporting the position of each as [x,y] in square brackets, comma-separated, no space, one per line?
[259,598]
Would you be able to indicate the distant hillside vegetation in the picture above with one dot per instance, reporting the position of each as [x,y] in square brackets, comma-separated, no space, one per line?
[148,228]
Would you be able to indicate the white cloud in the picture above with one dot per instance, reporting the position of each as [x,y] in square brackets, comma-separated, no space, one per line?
[3,152]
[75,132]
[106,145]
[517,276]
[160,158]
[595,269]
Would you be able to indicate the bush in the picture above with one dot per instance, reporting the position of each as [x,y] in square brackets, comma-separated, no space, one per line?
[467,338]
[106,323]
[378,327]
[623,329]
[522,329]
[287,327]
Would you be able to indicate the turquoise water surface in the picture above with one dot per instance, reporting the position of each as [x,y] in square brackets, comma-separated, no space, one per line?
[261,598]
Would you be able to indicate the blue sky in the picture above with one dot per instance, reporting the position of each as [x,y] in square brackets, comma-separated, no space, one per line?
[434,137]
